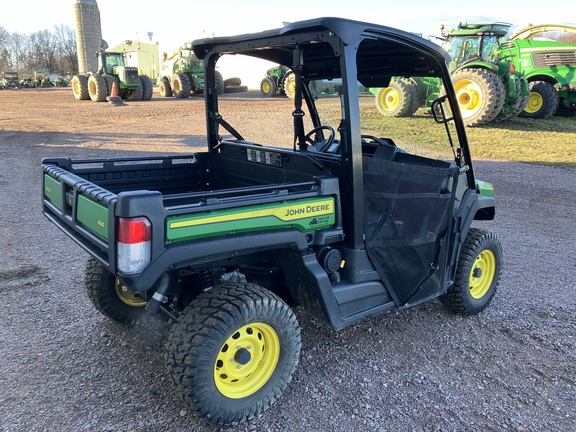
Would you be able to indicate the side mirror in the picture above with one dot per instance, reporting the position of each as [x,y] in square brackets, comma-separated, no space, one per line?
[440,109]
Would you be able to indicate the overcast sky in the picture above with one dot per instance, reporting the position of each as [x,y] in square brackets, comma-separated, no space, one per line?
[174,22]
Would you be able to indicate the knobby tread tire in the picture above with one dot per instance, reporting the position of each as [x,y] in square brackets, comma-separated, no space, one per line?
[458,297]
[408,102]
[268,87]
[195,341]
[550,100]
[493,95]
[165,88]
[79,86]
[147,88]
[97,88]
[100,286]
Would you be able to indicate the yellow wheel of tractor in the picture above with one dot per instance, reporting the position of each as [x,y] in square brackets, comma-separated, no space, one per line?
[542,102]
[535,103]
[233,351]
[399,99]
[477,274]
[480,94]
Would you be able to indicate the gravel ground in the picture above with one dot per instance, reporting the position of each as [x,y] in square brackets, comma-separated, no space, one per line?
[67,368]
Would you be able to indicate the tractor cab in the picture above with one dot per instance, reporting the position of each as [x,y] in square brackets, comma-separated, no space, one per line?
[473,42]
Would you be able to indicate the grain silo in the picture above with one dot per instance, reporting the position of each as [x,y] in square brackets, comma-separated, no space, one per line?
[88,34]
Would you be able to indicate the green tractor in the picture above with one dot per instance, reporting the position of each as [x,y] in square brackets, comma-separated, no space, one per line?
[182,74]
[112,69]
[278,80]
[488,88]
[546,54]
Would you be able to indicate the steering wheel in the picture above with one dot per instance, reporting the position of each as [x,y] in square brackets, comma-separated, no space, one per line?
[324,145]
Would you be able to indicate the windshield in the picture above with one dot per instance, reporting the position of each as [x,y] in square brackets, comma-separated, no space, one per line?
[462,48]
[401,113]
[10,75]
[113,60]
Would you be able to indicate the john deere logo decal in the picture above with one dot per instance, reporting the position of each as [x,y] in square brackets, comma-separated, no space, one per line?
[304,215]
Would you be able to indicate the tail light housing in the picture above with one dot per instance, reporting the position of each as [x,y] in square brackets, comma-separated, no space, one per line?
[134,244]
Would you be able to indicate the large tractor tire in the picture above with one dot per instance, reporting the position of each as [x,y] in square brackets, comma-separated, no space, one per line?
[147,89]
[97,88]
[110,80]
[233,351]
[219,82]
[181,85]
[232,82]
[135,94]
[268,87]
[399,99]
[480,94]
[111,297]
[477,275]
[290,85]
[542,102]
[236,89]
[165,88]
[80,87]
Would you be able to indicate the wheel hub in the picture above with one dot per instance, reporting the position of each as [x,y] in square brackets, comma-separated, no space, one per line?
[246,360]
[482,274]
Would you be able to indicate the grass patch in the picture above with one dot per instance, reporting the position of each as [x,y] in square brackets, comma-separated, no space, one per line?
[550,142]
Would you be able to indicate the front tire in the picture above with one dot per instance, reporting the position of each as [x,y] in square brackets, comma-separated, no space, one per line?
[181,85]
[165,88]
[477,275]
[110,296]
[542,102]
[233,352]
[268,87]
[290,85]
[147,89]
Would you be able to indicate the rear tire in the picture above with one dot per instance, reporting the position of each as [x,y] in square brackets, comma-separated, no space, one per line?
[480,93]
[290,85]
[80,87]
[147,89]
[399,99]
[477,275]
[542,102]
[109,295]
[181,85]
[233,351]
[219,82]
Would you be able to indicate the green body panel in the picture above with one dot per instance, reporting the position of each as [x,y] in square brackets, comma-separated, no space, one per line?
[484,188]
[93,216]
[304,215]
[53,190]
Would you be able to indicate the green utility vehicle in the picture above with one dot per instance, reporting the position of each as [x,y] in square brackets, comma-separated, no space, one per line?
[10,80]
[316,211]
[182,74]
[487,87]
[112,69]
[549,66]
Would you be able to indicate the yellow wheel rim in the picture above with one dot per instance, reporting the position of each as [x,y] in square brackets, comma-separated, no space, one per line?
[469,96]
[127,295]
[389,99]
[534,103]
[247,360]
[266,87]
[291,87]
[482,274]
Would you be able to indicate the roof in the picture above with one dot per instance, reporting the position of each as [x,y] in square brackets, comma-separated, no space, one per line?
[383,48]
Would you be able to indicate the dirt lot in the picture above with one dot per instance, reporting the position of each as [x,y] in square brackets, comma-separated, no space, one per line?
[67,368]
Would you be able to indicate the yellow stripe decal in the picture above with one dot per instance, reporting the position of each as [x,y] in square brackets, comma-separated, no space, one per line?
[288,212]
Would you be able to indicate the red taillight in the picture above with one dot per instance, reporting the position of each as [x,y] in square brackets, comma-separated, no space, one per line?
[135,230]
[134,244]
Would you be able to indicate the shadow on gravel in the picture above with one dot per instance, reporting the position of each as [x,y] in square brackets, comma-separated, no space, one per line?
[67,139]
[17,278]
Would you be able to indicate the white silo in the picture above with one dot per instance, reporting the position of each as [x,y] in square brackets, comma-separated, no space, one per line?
[88,34]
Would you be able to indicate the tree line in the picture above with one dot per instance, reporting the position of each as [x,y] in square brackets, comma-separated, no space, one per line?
[45,51]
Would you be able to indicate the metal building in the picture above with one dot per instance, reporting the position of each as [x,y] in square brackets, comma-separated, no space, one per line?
[88,34]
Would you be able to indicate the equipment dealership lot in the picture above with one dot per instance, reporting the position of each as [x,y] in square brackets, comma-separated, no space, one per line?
[66,367]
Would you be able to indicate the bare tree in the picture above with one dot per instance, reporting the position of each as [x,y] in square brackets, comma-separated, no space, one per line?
[68,52]
[5,63]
